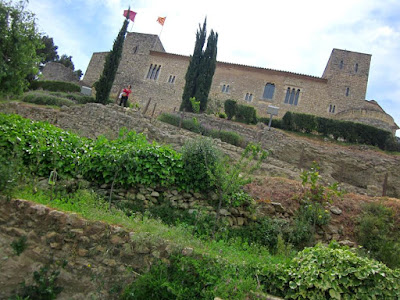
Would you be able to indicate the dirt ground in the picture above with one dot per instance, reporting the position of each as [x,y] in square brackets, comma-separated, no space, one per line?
[287,192]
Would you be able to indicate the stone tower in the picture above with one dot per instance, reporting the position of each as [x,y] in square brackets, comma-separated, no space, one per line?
[347,73]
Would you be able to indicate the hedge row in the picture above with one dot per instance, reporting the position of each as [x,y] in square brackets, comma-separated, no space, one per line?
[242,113]
[193,125]
[348,131]
[45,99]
[55,86]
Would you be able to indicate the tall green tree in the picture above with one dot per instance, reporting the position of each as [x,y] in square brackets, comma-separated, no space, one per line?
[206,71]
[19,41]
[193,70]
[104,84]
[49,51]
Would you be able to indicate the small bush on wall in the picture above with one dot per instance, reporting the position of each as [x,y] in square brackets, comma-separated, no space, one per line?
[230,108]
[246,114]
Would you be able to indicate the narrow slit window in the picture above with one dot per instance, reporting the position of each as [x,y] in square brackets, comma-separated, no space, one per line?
[157,73]
[347,91]
[287,95]
[149,73]
[341,64]
[223,88]
[356,68]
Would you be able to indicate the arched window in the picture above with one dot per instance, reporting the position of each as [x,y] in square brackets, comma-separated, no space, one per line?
[296,98]
[223,88]
[153,72]
[269,91]
[227,89]
[291,99]
[287,95]
[149,73]
[157,73]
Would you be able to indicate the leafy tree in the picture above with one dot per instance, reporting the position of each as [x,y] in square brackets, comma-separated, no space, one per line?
[19,41]
[49,52]
[66,61]
[201,70]
[104,84]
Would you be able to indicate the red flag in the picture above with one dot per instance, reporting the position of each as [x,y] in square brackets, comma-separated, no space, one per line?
[132,14]
[161,20]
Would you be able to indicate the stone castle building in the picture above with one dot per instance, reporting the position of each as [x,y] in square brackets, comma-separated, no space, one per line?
[159,75]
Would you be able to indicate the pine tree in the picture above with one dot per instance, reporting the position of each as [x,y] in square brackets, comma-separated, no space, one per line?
[104,84]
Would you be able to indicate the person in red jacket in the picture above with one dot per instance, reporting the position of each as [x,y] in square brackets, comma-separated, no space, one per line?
[125,95]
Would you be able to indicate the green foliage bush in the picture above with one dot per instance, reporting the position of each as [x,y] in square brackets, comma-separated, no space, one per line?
[378,234]
[55,86]
[348,131]
[229,137]
[199,157]
[192,278]
[332,273]
[77,97]
[230,107]
[43,147]
[275,123]
[45,99]
[193,125]
[246,114]
[131,160]
[169,118]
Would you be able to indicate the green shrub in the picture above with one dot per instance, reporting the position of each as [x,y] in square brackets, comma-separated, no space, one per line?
[192,278]
[55,86]
[377,233]
[229,137]
[348,131]
[222,115]
[43,147]
[246,114]
[44,288]
[230,107]
[44,99]
[275,123]
[332,273]
[169,118]
[264,231]
[131,160]
[19,245]
[199,158]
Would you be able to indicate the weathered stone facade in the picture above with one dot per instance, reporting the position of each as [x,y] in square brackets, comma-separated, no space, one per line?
[339,93]
[58,72]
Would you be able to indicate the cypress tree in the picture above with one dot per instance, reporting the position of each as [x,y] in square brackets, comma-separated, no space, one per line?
[106,80]
[192,72]
[206,72]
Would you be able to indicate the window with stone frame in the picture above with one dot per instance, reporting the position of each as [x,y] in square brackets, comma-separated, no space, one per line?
[154,72]
[248,97]
[171,79]
[292,96]
[269,91]
[332,108]
[225,88]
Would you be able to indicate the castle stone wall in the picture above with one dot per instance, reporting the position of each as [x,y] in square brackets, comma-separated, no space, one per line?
[58,72]
[317,95]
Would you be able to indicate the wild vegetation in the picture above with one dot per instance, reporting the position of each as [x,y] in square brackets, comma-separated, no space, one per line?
[234,263]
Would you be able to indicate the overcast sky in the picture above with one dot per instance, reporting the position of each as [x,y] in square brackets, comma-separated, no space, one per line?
[290,35]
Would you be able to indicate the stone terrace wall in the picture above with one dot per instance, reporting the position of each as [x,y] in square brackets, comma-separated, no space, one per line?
[100,256]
